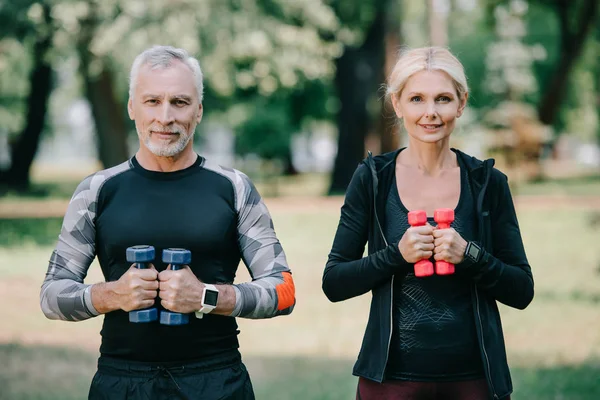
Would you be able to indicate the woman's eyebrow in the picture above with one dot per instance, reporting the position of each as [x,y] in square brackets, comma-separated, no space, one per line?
[449,94]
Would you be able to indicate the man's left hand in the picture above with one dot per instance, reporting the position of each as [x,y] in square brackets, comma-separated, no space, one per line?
[180,291]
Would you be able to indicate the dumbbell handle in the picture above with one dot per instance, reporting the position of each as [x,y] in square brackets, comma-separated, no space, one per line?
[444,267]
[147,314]
[173,318]
[422,267]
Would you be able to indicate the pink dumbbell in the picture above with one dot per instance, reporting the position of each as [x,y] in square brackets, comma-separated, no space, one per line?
[423,267]
[444,217]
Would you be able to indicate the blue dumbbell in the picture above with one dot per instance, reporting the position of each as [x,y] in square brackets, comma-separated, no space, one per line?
[177,258]
[141,256]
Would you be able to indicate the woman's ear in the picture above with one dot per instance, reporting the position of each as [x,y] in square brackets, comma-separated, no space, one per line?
[396,104]
[462,105]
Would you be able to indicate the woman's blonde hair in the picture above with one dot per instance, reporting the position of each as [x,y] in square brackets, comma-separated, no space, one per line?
[412,61]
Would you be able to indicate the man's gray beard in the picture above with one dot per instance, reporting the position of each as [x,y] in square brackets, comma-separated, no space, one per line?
[169,150]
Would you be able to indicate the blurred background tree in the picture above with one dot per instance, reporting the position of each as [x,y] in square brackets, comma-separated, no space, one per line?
[275,69]
[294,96]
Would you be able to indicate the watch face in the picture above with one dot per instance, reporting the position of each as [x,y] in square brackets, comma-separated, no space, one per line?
[210,297]
[473,252]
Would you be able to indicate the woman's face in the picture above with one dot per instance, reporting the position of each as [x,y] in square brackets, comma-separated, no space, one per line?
[429,106]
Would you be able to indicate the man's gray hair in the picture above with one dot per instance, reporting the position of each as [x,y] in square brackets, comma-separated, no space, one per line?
[162,57]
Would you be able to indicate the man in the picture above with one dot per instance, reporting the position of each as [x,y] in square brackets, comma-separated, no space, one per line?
[167,196]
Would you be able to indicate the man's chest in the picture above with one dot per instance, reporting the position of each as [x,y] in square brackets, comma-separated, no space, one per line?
[194,217]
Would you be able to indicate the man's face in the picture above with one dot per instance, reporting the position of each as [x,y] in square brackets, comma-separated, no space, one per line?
[165,108]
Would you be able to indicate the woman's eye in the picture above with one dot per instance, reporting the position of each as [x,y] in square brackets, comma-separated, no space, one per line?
[415,99]
[444,99]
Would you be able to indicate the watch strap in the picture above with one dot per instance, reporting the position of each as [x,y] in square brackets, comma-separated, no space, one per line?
[206,308]
[473,253]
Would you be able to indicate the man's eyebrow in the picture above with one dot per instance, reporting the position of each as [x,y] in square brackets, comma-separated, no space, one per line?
[182,97]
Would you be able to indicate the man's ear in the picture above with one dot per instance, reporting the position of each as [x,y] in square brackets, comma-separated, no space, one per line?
[462,106]
[130,109]
[396,105]
[200,113]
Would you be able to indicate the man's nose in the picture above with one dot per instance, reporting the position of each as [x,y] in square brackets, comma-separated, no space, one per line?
[165,115]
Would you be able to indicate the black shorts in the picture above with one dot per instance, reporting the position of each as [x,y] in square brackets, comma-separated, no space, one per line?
[222,377]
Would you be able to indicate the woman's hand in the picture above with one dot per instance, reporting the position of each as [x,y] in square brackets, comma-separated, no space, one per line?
[449,246]
[417,243]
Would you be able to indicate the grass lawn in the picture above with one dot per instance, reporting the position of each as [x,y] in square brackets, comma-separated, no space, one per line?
[553,345]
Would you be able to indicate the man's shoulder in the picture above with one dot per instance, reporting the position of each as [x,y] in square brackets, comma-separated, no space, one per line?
[243,187]
[234,175]
[94,182]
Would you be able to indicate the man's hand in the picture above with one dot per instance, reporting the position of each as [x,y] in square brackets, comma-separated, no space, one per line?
[449,246]
[417,243]
[180,291]
[137,288]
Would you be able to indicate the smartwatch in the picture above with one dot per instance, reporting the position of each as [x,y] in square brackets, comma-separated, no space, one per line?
[473,253]
[210,295]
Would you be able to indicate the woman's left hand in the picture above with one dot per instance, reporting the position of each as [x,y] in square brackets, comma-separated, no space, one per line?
[449,246]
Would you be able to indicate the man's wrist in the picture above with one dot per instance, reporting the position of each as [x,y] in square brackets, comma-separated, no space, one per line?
[210,297]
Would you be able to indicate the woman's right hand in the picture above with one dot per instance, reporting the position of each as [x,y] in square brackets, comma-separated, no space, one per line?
[417,243]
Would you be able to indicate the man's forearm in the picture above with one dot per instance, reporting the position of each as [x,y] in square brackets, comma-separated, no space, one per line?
[104,297]
[226,301]
[265,297]
[66,300]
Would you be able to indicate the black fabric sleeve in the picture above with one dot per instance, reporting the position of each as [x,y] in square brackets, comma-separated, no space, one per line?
[504,274]
[347,273]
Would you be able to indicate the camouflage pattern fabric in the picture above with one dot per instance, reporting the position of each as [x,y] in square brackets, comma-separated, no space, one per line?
[64,296]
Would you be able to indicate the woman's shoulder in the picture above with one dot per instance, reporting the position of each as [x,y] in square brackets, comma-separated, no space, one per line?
[384,160]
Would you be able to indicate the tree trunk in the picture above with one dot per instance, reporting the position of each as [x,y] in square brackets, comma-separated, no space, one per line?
[108,114]
[109,118]
[437,23]
[24,150]
[388,122]
[356,81]
[571,47]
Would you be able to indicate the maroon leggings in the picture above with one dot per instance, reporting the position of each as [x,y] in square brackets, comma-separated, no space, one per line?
[401,390]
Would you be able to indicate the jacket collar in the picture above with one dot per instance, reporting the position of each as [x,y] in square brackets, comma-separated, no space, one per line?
[475,166]
[478,170]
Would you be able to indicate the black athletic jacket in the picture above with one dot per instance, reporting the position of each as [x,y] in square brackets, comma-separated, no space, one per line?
[503,273]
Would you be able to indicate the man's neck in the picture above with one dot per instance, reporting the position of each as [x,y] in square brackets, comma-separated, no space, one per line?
[152,162]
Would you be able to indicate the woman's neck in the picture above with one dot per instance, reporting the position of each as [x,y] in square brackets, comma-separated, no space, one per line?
[429,158]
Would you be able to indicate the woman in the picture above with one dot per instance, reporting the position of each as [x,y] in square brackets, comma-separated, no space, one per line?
[435,337]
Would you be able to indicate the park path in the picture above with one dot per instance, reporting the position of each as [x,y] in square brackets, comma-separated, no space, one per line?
[56,207]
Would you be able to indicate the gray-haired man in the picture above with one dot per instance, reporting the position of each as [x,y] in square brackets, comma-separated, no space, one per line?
[168,196]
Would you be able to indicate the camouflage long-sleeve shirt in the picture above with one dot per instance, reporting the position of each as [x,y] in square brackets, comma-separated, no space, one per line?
[214,212]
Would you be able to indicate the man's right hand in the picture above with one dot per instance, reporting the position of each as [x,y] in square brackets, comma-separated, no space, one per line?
[417,243]
[137,288]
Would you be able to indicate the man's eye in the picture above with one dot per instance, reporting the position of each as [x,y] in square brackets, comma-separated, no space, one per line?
[151,101]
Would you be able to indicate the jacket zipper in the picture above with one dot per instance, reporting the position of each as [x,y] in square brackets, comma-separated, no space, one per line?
[375,189]
[387,353]
[487,360]
[482,233]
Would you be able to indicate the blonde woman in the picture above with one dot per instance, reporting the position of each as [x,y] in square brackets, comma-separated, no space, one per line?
[437,336]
